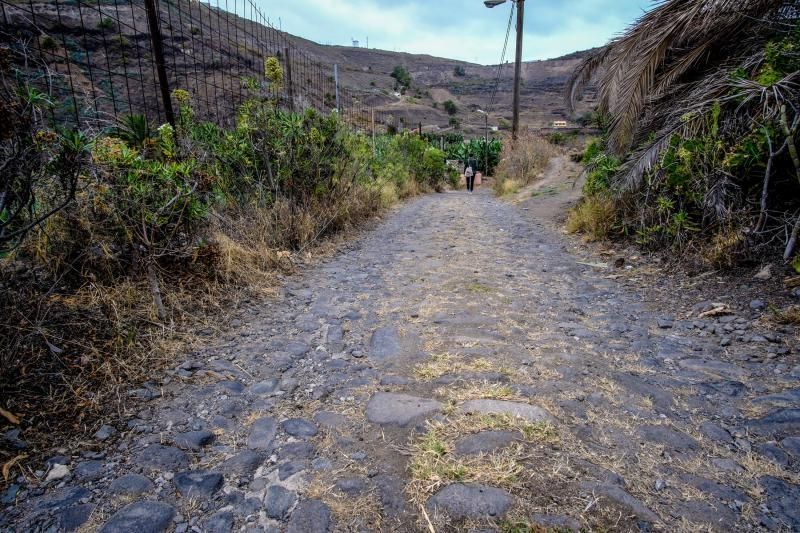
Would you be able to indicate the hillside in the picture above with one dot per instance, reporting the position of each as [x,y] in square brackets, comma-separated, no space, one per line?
[103,53]
[435,81]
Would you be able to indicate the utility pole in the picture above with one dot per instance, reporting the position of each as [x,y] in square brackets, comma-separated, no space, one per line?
[486,145]
[518,67]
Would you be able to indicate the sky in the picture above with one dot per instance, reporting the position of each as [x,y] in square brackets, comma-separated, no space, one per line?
[456,29]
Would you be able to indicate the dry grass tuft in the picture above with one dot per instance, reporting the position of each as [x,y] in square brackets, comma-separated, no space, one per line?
[480,288]
[593,216]
[444,364]
[433,462]
[506,187]
[359,513]
[790,315]
[473,391]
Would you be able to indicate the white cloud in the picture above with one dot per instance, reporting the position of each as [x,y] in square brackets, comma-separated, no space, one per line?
[458,29]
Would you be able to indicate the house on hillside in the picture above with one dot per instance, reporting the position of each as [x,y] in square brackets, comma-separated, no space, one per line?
[558,124]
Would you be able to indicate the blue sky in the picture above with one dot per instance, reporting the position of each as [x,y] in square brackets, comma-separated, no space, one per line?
[459,29]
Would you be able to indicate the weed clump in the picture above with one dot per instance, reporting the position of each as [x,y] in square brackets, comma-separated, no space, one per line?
[593,216]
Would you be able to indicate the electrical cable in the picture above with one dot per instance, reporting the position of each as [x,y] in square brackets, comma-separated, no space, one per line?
[502,58]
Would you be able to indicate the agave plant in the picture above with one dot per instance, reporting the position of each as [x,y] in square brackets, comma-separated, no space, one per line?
[134,130]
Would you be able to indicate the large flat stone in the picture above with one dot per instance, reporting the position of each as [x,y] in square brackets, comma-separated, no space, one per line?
[660,397]
[485,442]
[131,485]
[672,438]
[245,463]
[310,516]
[262,433]
[615,494]
[279,502]
[299,427]
[198,483]
[461,501]
[162,458]
[531,413]
[141,517]
[399,409]
[385,343]
[62,498]
[782,500]
[194,440]
[777,421]
[713,367]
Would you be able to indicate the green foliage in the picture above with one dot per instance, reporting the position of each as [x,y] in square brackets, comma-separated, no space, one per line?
[477,149]
[459,71]
[453,177]
[560,138]
[402,157]
[273,72]
[106,23]
[450,107]
[41,167]
[48,43]
[781,58]
[401,76]
[134,130]
[601,167]
[150,205]
[593,149]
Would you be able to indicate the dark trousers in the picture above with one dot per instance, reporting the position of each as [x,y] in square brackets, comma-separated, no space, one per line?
[471,183]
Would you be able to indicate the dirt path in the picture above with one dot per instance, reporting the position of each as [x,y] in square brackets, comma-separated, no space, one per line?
[457,369]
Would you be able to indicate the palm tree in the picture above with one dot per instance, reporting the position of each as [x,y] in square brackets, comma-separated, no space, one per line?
[666,74]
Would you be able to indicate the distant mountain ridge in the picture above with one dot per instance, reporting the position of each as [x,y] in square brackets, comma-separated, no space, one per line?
[435,81]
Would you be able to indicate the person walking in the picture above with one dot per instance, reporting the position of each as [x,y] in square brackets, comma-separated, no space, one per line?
[469,174]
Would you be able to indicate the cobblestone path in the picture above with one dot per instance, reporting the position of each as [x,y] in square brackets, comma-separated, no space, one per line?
[455,369]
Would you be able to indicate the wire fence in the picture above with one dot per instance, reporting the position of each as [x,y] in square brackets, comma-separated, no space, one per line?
[101,60]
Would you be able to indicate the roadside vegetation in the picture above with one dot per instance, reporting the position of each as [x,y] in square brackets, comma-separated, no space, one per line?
[115,244]
[522,162]
[698,107]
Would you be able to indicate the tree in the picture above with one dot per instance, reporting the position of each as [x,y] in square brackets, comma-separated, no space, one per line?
[450,107]
[701,99]
[401,76]
[459,71]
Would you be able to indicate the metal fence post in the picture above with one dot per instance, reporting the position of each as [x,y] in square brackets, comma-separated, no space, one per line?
[336,83]
[289,84]
[158,55]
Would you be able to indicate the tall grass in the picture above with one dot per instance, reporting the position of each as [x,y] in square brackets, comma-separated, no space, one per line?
[522,162]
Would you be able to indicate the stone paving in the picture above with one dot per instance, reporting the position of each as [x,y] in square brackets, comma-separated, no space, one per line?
[455,369]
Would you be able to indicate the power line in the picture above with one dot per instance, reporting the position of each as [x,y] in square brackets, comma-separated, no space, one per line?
[502,58]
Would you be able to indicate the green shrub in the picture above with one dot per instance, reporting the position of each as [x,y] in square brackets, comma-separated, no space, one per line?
[450,107]
[106,23]
[401,76]
[601,171]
